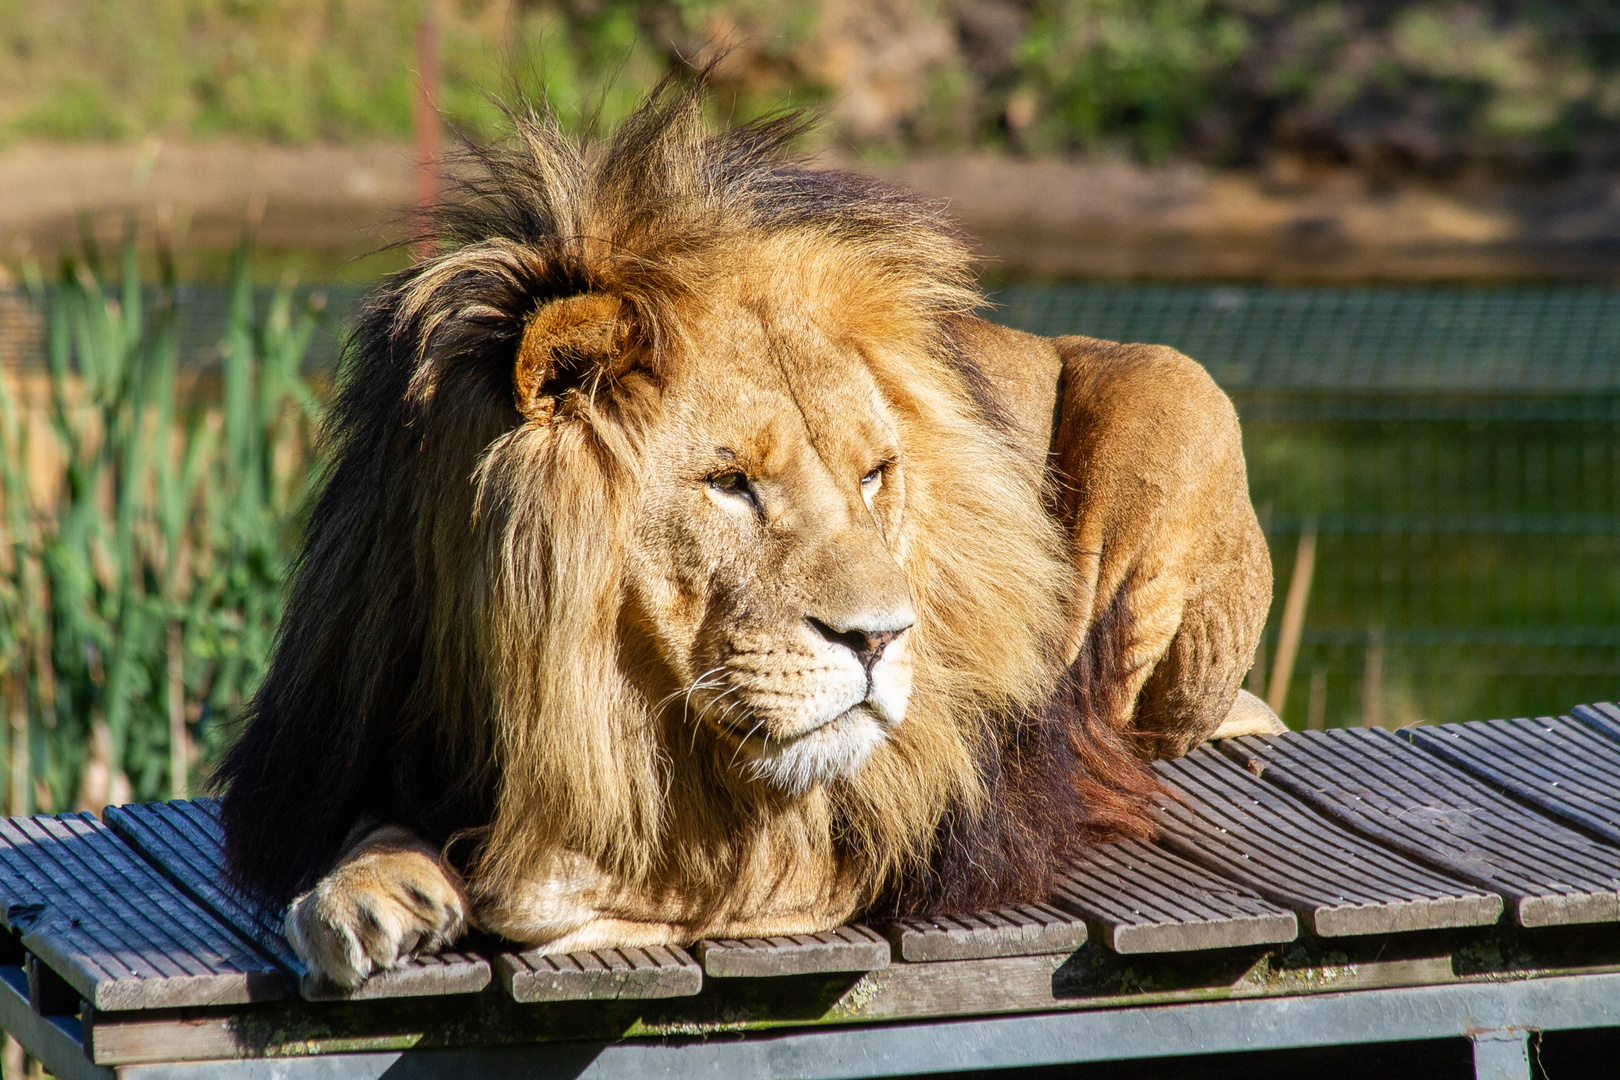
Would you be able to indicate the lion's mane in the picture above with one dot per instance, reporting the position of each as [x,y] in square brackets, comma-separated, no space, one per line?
[453,654]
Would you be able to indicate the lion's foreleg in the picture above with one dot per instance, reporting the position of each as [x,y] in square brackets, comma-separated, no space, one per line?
[560,900]
[569,903]
[389,898]
[1175,574]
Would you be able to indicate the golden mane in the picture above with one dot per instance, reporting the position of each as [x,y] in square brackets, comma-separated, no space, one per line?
[454,652]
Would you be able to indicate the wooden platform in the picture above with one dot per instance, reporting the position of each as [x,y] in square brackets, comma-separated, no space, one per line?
[1375,784]
[1286,865]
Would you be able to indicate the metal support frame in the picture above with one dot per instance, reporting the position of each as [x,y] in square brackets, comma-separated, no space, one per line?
[57,1041]
[1497,1016]
[1502,1055]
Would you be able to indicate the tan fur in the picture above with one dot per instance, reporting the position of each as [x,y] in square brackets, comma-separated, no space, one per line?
[1155,488]
[1146,473]
[652,659]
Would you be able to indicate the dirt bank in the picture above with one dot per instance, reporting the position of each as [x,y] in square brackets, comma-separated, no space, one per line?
[1033,218]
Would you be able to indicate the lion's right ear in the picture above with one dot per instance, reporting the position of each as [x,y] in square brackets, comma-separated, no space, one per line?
[563,342]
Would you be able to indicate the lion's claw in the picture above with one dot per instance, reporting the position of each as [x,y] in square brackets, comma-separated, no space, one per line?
[375,911]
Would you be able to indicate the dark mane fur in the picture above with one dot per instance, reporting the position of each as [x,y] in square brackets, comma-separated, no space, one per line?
[1059,782]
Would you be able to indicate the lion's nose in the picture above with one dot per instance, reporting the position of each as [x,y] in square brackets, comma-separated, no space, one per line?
[866,638]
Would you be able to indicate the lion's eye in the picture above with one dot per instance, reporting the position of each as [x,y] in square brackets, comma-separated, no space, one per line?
[736,485]
[873,477]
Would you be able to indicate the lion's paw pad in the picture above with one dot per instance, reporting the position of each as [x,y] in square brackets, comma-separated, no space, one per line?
[374,914]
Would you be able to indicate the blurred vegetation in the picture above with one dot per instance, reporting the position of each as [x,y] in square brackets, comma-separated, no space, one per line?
[146,522]
[1432,86]
[1477,555]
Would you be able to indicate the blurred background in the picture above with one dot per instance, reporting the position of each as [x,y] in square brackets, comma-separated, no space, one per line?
[1390,228]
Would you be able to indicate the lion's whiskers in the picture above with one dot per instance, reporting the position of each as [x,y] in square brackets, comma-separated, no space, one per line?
[686,708]
[744,681]
[686,690]
[704,682]
[744,741]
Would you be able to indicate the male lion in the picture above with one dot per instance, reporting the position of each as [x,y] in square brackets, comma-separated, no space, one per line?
[694,562]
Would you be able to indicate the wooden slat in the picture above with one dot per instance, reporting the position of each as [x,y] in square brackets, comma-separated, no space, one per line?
[1555,763]
[1093,978]
[1603,716]
[118,932]
[848,948]
[1016,931]
[423,976]
[606,974]
[184,840]
[1144,899]
[1380,786]
[1219,816]
[180,839]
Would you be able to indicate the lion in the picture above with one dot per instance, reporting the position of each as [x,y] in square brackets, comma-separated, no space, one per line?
[694,561]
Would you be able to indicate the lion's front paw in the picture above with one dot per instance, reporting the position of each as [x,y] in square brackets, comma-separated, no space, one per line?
[375,911]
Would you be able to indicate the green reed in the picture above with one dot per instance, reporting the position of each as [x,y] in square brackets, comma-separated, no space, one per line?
[149,520]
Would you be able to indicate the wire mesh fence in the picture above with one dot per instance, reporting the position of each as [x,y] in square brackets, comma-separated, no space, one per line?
[201,323]
[1510,341]
[1454,454]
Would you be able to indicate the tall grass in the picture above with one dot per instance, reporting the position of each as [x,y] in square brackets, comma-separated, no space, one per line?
[148,520]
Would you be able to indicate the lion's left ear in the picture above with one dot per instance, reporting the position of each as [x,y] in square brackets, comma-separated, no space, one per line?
[564,342]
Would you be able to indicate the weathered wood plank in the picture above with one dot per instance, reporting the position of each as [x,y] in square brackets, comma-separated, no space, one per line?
[178,838]
[424,976]
[1046,982]
[1554,763]
[612,974]
[48,993]
[1602,716]
[185,842]
[119,933]
[1144,899]
[1014,931]
[900,991]
[1228,821]
[1370,781]
[848,948]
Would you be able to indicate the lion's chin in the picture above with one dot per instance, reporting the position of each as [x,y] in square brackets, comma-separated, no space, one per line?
[836,748]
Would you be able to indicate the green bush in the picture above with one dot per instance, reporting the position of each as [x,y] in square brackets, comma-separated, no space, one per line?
[1141,72]
[1407,84]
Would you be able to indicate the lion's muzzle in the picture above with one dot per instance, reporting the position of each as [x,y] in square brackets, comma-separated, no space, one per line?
[878,643]
[811,704]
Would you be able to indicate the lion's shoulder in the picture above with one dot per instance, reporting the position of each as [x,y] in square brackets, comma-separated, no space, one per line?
[1141,379]
[1022,371]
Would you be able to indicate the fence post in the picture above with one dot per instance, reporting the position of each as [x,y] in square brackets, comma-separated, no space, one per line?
[179,744]
[1372,679]
[1316,703]
[425,115]
[1293,620]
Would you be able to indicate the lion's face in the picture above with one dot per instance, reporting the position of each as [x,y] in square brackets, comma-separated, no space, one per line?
[763,562]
